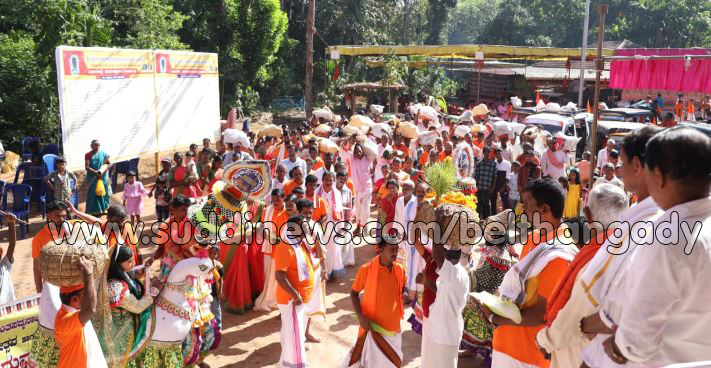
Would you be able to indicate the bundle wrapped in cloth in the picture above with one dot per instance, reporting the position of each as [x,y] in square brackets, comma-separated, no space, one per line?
[270,130]
[58,262]
[408,130]
[358,121]
[327,146]
[235,137]
[322,130]
[324,114]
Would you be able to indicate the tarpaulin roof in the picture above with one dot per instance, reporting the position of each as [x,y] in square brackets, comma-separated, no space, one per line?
[464,51]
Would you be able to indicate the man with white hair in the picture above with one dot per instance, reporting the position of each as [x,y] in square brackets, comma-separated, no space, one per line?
[607,273]
[561,337]
[405,211]
[603,156]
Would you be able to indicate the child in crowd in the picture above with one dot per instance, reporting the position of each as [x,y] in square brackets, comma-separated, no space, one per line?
[7,288]
[385,170]
[563,181]
[133,193]
[584,169]
[574,195]
[61,182]
[162,198]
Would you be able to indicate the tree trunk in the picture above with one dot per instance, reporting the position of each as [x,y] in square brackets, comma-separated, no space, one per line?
[308,94]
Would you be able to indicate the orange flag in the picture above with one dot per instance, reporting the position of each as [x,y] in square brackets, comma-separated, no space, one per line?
[538,97]
[589,109]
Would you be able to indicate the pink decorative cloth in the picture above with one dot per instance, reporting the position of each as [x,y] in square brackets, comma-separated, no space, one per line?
[672,75]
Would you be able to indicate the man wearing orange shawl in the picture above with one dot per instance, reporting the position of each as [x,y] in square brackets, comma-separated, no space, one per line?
[382,281]
[562,336]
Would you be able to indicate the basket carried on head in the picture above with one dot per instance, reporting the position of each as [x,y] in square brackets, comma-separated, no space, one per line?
[58,262]
[446,212]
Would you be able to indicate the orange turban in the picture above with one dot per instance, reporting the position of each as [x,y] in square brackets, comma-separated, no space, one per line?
[70,289]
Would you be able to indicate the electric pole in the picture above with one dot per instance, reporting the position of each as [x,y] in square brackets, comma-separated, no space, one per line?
[584,56]
[309,94]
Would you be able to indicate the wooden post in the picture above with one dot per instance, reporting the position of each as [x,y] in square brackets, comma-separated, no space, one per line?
[599,66]
[308,94]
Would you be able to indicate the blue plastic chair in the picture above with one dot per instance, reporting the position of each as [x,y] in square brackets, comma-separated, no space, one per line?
[36,181]
[49,160]
[23,169]
[121,167]
[21,194]
[133,166]
[50,149]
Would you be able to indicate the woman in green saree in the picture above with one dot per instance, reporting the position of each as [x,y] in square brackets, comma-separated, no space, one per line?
[97,165]
[130,312]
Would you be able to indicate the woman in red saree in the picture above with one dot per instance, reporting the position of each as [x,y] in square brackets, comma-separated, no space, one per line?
[257,277]
[181,180]
[236,287]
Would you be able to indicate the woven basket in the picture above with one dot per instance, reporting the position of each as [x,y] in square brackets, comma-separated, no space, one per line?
[58,262]
[444,213]
[425,212]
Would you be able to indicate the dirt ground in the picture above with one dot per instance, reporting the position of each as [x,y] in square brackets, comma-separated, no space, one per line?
[251,340]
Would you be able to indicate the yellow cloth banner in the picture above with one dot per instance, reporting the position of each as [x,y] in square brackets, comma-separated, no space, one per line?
[18,322]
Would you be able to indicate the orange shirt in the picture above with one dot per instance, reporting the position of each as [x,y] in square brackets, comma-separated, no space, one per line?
[43,237]
[403,148]
[520,342]
[69,334]
[690,108]
[442,156]
[678,108]
[285,260]
[351,186]
[387,315]
[319,208]
[424,158]
[289,186]
[318,164]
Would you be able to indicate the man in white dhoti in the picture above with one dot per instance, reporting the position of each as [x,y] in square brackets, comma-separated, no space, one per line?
[348,201]
[562,337]
[405,211]
[334,214]
[665,318]
[360,168]
[443,329]
[379,310]
[274,216]
[295,276]
[607,277]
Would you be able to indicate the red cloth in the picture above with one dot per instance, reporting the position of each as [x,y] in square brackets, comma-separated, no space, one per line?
[669,75]
[236,287]
[389,208]
[562,292]
[430,272]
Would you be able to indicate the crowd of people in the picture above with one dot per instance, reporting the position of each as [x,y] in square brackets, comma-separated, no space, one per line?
[607,300]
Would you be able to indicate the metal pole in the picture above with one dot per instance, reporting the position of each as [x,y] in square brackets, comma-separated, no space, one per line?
[308,84]
[599,66]
[584,55]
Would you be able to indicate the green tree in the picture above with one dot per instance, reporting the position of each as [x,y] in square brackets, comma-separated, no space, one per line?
[438,13]
[28,101]
[144,24]
[469,19]
[521,27]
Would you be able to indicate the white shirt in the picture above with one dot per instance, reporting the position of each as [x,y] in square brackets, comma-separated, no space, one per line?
[507,153]
[319,174]
[504,165]
[668,321]
[513,186]
[445,320]
[550,169]
[602,158]
[608,289]
[7,289]
[288,164]
[405,214]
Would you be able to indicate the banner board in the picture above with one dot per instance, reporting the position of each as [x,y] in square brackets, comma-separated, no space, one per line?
[135,101]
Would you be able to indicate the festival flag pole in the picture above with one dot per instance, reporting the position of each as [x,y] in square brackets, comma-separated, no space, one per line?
[599,66]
